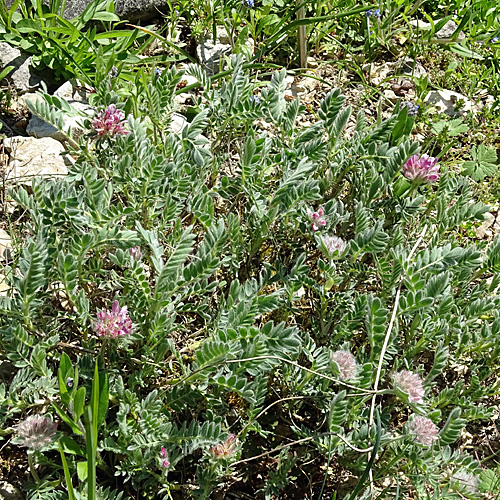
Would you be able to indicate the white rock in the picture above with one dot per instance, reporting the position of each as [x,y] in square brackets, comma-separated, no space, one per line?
[181,99]
[211,54]
[496,226]
[379,72]
[178,124]
[22,76]
[306,84]
[30,157]
[446,32]
[389,94]
[408,66]
[7,491]
[312,63]
[72,122]
[443,35]
[189,79]
[446,100]
[4,288]
[483,229]
[72,93]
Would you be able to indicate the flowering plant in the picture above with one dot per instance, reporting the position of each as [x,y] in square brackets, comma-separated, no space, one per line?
[113,323]
[110,122]
[421,169]
[240,322]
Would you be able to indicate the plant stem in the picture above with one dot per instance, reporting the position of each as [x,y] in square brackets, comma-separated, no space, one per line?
[31,464]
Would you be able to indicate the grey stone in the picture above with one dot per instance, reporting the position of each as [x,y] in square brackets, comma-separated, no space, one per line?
[446,101]
[223,36]
[30,157]
[22,76]
[212,54]
[389,94]
[446,32]
[443,35]
[72,92]
[178,123]
[408,66]
[484,229]
[305,84]
[131,10]
[71,122]
[7,491]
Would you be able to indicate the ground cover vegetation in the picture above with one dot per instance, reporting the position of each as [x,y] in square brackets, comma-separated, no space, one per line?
[251,308]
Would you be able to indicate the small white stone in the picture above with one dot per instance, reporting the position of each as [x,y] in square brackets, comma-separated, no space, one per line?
[30,157]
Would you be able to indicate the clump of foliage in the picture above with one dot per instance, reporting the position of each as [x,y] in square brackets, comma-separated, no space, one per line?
[222,307]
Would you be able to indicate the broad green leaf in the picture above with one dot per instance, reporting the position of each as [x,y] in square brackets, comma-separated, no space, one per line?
[65,371]
[66,419]
[465,52]
[103,397]
[79,403]
[105,16]
[82,470]
[484,163]
[69,445]
[453,127]
[28,26]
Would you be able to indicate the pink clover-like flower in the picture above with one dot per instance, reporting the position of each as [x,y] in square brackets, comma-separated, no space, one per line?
[226,449]
[317,218]
[422,169]
[36,432]
[411,384]
[334,245]
[113,323]
[110,122]
[423,430]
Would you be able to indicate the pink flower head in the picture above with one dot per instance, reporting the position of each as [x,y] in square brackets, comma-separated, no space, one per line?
[317,218]
[36,432]
[136,252]
[334,245]
[421,169]
[411,384]
[346,363]
[113,323]
[422,429]
[110,122]
[226,449]
[163,458]
[467,481]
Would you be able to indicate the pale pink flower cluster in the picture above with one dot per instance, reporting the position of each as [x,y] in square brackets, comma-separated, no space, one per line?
[163,458]
[226,449]
[36,432]
[334,245]
[110,122]
[136,253]
[347,365]
[411,384]
[422,169]
[469,482]
[317,218]
[113,323]
[422,429]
